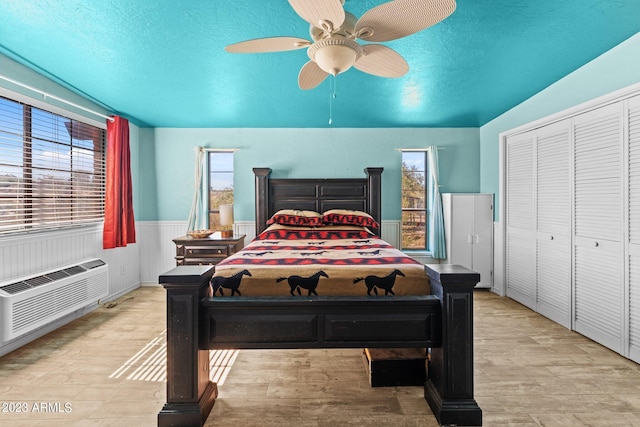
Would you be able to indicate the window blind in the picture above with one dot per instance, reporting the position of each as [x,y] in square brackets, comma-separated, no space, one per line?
[52,170]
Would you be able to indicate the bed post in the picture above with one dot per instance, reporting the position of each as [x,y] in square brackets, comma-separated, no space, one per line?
[374,178]
[449,386]
[190,392]
[262,198]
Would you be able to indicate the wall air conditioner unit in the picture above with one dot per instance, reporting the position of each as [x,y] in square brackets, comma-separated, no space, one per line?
[30,302]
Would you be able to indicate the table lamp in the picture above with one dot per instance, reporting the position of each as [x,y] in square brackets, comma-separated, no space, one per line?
[226,220]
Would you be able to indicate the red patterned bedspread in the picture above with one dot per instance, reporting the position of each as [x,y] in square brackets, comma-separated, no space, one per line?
[326,261]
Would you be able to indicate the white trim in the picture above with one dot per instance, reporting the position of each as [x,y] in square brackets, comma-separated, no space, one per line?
[27,236]
[121,292]
[46,95]
[592,104]
[17,96]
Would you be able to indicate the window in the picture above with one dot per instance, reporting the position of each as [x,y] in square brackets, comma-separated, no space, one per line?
[220,184]
[414,200]
[52,169]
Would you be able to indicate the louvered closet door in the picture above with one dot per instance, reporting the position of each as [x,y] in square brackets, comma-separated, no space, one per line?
[633,120]
[553,208]
[520,219]
[598,248]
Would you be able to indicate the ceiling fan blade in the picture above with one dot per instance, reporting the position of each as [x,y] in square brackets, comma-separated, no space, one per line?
[268,44]
[311,76]
[381,61]
[400,18]
[325,14]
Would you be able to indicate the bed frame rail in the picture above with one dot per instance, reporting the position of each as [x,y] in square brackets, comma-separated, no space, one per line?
[442,322]
[320,322]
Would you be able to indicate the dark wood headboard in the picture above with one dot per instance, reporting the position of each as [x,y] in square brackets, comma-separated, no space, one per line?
[318,195]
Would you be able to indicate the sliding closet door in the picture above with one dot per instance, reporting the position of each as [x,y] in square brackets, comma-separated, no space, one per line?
[633,131]
[553,222]
[520,219]
[598,218]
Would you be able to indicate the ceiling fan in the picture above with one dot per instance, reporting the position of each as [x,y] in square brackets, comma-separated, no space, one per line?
[334,31]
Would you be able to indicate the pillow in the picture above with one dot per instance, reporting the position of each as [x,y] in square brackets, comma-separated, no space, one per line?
[348,217]
[296,217]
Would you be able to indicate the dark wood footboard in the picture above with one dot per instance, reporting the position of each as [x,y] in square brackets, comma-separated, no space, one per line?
[442,322]
[320,322]
[190,393]
[449,387]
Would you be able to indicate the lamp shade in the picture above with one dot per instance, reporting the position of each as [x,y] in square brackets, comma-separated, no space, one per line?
[226,214]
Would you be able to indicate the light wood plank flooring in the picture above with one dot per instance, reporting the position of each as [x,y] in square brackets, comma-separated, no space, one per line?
[106,369]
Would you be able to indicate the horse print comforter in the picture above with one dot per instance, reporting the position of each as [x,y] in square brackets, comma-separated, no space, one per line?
[323,261]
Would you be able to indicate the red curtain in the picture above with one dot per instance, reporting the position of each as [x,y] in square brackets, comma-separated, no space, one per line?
[119,224]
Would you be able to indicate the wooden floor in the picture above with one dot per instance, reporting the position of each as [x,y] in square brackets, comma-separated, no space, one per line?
[107,369]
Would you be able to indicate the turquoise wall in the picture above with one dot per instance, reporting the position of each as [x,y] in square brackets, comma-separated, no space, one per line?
[167,160]
[163,158]
[613,70]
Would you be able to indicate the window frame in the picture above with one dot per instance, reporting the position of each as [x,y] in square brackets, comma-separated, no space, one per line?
[210,211]
[77,152]
[426,249]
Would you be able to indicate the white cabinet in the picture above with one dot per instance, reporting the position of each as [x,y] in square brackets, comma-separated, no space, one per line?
[468,223]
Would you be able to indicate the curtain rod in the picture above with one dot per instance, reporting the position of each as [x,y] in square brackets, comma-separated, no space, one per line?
[48,95]
[417,149]
[222,150]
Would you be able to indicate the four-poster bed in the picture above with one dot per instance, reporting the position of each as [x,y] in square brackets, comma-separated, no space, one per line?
[440,320]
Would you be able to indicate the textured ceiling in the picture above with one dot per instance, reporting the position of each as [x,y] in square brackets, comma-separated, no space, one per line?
[162,63]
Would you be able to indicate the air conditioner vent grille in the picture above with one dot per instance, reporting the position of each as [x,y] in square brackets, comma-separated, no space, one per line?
[76,269]
[24,285]
[14,288]
[57,275]
[93,264]
[37,281]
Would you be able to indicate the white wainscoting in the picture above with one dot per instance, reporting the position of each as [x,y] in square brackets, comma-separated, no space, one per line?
[157,250]
[32,253]
[248,228]
[390,232]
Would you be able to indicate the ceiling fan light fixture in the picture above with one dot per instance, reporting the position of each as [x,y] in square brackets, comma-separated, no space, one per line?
[335,55]
[334,32]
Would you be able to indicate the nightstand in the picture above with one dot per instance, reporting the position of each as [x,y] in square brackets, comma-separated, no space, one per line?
[208,250]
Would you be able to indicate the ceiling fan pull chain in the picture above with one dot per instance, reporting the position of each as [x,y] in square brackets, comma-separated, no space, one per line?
[332,95]
[330,106]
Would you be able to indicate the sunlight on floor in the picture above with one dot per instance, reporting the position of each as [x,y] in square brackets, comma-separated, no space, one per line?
[150,363]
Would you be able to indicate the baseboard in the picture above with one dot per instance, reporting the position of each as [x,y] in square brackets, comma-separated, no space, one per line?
[120,293]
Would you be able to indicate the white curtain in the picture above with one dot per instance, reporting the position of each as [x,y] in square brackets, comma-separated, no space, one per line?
[436,221]
[197,215]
